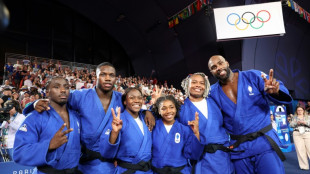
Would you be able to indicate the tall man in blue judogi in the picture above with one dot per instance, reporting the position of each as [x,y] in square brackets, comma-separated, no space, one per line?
[243,97]
[50,140]
[216,157]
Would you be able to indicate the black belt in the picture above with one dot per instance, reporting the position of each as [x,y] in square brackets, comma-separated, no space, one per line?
[51,170]
[168,170]
[89,155]
[132,168]
[212,148]
[252,136]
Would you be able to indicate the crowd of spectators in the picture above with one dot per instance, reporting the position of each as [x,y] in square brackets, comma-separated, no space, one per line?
[25,81]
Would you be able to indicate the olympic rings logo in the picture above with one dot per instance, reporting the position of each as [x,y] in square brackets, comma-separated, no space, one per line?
[234,19]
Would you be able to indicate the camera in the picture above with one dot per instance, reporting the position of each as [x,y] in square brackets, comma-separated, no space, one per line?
[5,112]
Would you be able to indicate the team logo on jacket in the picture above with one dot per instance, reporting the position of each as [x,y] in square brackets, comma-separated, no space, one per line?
[177,138]
[23,128]
[107,132]
[250,90]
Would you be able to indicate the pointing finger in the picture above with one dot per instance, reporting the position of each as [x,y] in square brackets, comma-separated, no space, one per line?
[271,74]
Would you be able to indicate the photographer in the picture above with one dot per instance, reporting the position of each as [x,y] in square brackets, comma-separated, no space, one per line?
[6,95]
[10,126]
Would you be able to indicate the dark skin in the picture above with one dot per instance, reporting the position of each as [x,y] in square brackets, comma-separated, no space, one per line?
[58,92]
[106,78]
[219,68]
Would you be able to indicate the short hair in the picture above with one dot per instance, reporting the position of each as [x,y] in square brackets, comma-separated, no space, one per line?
[127,91]
[185,84]
[159,102]
[48,83]
[103,64]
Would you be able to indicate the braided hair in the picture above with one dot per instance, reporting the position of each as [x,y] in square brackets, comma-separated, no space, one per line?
[186,84]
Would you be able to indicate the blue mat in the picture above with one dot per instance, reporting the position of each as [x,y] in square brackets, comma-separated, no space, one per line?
[291,164]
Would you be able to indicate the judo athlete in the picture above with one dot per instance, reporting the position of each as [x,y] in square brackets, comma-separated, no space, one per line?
[216,156]
[129,141]
[173,142]
[50,140]
[243,97]
[94,106]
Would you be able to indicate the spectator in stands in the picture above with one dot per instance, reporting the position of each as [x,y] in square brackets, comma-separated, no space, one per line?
[12,125]
[17,77]
[8,70]
[27,81]
[301,135]
[6,95]
[6,85]
[17,65]
[308,107]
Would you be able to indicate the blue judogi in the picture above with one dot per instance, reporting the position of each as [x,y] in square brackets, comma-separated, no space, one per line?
[173,149]
[95,121]
[33,138]
[211,132]
[131,146]
[251,114]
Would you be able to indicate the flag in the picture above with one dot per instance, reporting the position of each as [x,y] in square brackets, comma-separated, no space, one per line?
[288,2]
[296,7]
[192,6]
[292,4]
[301,12]
[308,17]
[176,20]
[170,23]
[189,10]
[198,5]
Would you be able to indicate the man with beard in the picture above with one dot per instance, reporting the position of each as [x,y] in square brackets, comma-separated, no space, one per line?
[94,106]
[243,97]
[50,140]
[215,158]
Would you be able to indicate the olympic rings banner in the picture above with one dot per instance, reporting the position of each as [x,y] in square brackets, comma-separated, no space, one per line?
[249,21]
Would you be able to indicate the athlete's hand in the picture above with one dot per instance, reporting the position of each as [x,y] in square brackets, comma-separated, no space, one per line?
[156,94]
[195,125]
[271,84]
[59,138]
[117,123]
[42,105]
[149,120]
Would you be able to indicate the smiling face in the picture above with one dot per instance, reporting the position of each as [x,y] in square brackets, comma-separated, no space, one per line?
[168,112]
[197,86]
[133,101]
[219,68]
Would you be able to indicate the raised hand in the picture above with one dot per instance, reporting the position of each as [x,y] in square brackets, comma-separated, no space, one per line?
[59,138]
[156,94]
[117,123]
[271,84]
[195,125]
[42,105]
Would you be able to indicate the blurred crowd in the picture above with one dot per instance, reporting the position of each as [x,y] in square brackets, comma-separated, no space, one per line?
[25,80]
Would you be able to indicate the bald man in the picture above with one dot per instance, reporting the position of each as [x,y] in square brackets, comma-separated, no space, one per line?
[243,97]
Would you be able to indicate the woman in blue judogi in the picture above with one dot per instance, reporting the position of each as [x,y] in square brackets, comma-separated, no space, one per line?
[216,157]
[173,143]
[129,141]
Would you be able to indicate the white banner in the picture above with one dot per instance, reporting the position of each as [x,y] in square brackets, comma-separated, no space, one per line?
[249,21]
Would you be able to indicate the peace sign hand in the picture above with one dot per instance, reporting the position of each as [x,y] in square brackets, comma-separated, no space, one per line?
[59,138]
[156,94]
[117,123]
[271,84]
